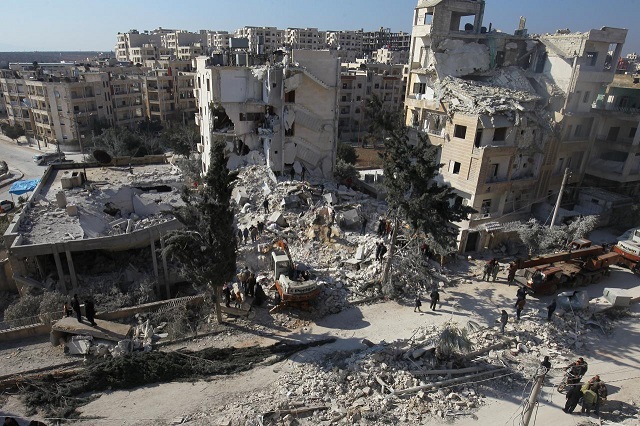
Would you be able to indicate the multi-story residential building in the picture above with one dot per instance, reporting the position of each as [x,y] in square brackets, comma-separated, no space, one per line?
[344,40]
[614,160]
[263,40]
[136,40]
[359,82]
[218,40]
[168,90]
[509,112]
[385,55]
[306,38]
[374,40]
[286,110]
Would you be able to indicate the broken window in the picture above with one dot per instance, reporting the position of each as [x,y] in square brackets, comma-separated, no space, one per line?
[494,169]
[344,85]
[486,206]
[419,88]
[587,95]
[291,131]
[592,58]
[478,138]
[612,136]
[456,168]
[500,134]
[459,131]
[290,96]
[578,132]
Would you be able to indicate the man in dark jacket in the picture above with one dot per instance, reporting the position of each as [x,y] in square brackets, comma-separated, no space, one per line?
[90,311]
[435,298]
[573,397]
[76,307]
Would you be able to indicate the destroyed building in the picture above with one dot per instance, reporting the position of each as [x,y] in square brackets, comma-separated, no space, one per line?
[286,110]
[65,233]
[510,112]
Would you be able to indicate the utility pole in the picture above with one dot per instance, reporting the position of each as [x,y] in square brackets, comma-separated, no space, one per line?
[533,399]
[559,200]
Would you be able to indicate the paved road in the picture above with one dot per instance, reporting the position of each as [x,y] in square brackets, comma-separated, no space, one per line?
[20,157]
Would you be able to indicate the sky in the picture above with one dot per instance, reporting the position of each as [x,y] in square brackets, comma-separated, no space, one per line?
[45,25]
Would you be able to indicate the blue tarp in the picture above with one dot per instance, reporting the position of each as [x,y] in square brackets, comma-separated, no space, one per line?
[21,186]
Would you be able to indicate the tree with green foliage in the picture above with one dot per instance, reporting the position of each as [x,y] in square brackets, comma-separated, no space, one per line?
[120,141]
[205,249]
[381,121]
[344,172]
[542,239]
[346,153]
[413,194]
[13,132]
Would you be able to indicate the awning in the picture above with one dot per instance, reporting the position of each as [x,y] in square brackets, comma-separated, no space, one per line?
[491,122]
[22,186]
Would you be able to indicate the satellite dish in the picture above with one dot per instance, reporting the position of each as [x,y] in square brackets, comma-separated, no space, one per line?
[102,156]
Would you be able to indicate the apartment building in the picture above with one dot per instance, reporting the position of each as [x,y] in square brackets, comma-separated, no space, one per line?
[143,43]
[306,38]
[374,40]
[263,39]
[286,110]
[167,87]
[508,111]
[359,82]
[218,40]
[385,55]
[344,40]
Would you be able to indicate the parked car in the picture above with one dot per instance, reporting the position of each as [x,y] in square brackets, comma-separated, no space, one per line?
[58,161]
[6,206]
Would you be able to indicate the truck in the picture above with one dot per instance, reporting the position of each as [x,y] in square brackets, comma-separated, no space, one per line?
[294,287]
[629,251]
[581,265]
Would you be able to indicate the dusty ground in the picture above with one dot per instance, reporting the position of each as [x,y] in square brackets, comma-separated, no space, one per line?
[615,357]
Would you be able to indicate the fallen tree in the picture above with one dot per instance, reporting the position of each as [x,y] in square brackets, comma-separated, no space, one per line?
[58,395]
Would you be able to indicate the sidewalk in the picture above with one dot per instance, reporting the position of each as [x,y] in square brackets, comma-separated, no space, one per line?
[15,176]
[32,146]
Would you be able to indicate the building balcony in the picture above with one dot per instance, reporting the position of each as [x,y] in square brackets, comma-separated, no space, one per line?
[620,143]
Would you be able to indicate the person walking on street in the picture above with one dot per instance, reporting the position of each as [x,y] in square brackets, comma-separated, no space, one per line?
[265,205]
[573,398]
[521,294]
[435,298]
[487,271]
[495,270]
[551,309]
[512,273]
[76,307]
[90,311]
[504,318]
[418,304]
[519,307]
[245,234]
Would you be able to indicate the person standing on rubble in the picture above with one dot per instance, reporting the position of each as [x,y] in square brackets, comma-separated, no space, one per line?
[512,273]
[504,318]
[245,234]
[66,309]
[435,298]
[364,225]
[292,172]
[381,227]
[76,307]
[383,250]
[519,307]
[260,227]
[265,205]
[254,233]
[551,309]
[251,285]
[90,311]
[239,236]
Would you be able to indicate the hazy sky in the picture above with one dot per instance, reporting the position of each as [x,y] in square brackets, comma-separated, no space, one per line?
[93,24]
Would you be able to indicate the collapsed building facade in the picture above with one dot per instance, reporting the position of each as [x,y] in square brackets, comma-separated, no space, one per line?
[77,227]
[286,110]
[510,112]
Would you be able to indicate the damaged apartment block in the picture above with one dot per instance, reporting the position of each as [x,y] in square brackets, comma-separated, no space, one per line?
[284,111]
[510,112]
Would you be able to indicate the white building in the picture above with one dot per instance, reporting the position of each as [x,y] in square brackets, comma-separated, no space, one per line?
[286,111]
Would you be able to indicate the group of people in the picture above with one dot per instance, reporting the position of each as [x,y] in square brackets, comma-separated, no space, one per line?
[253,231]
[381,250]
[384,227]
[435,299]
[491,269]
[89,309]
[246,286]
[591,395]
